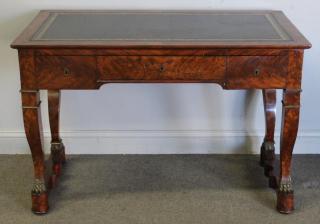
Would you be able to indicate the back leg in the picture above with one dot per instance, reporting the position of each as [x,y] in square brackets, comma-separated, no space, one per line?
[267,153]
[57,147]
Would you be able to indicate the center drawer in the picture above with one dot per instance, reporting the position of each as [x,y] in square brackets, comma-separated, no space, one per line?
[161,68]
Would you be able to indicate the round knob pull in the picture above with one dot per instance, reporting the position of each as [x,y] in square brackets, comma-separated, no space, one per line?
[66,71]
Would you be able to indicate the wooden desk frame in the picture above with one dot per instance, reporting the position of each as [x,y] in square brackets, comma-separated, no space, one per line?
[57,65]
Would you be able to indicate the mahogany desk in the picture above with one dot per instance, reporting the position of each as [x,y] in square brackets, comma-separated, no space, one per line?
[235,49]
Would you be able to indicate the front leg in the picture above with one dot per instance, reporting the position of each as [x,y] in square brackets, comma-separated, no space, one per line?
[33,129]
[267,153]
[289,129]
[57,147]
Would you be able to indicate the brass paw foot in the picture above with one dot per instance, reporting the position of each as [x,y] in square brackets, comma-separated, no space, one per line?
[39,197]
[285,196]
[267,155]
[58,152]
[267,158]
[58,159]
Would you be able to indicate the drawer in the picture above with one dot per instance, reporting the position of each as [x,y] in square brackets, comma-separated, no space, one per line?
[161,68]
[66,72]
[257,71]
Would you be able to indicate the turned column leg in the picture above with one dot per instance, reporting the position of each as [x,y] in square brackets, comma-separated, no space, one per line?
[57,147]
[267,153]
[289,129]
[33,129]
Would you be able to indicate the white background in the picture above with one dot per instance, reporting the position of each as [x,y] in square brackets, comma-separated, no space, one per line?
[172,118]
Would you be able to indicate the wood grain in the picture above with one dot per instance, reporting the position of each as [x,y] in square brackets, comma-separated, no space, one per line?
[59,65]
[289,130]
[33,128]
[257,72]
[148,68]
[54,114]
[267,154]
[51,72]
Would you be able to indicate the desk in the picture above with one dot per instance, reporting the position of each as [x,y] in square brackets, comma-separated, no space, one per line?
[235,49]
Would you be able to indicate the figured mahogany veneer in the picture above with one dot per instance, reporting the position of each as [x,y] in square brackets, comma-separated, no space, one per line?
[233,72]
[235,49]
[66,72]
[257,71]
[162,68]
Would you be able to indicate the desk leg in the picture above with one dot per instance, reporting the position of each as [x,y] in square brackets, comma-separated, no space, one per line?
[289,129]
[33,129]
[267,155]
[57,147]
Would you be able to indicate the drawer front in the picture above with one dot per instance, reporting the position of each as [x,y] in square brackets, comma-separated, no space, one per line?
[66,72]
[257,71]
[161,68]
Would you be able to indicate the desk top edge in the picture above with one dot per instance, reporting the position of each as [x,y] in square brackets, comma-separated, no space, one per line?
[298,41]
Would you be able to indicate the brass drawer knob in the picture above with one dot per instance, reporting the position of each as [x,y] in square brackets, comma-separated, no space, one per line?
[66,71]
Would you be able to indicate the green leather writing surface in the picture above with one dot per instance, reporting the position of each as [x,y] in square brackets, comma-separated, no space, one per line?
[161,26]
